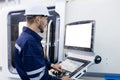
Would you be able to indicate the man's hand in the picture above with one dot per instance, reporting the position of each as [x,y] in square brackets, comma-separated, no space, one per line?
[57,67]
[66,78]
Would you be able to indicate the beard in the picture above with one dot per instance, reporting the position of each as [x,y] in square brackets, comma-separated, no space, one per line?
[40,27]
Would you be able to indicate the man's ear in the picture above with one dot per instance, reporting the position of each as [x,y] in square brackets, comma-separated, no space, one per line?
[37,19]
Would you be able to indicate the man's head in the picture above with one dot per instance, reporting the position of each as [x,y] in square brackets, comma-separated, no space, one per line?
[36,17]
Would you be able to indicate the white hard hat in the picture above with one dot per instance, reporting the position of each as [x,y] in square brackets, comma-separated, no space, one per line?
[37,10]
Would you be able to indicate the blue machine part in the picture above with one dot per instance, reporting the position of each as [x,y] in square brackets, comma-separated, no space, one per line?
[110,77]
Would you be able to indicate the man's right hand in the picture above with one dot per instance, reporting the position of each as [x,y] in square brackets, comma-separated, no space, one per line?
[66,78]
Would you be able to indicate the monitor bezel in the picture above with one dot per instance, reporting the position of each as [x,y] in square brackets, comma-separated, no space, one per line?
[92,36]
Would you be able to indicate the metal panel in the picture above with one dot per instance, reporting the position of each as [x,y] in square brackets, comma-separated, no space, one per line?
[106,13]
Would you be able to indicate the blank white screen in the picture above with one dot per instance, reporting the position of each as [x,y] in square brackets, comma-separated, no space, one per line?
[78,35]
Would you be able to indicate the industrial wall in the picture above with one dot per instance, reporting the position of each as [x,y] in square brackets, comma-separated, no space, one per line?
[106,13]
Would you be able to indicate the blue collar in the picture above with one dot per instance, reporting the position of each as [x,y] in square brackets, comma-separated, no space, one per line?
[31,32]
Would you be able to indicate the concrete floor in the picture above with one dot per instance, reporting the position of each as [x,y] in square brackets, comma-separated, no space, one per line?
[83,78]
[93,78]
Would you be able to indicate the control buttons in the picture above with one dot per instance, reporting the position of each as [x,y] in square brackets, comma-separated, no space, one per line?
[60,74]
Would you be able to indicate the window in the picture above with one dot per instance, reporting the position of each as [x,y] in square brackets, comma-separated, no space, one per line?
[14,19]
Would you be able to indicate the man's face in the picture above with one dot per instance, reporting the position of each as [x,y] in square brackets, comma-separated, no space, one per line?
[42,24]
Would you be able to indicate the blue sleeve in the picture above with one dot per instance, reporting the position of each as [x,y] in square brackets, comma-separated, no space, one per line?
[19,66]
[34,62]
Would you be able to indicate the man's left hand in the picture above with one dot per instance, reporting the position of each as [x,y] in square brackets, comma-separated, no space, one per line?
[57,67]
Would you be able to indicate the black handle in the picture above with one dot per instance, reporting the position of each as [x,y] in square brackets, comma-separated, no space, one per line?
[98,59]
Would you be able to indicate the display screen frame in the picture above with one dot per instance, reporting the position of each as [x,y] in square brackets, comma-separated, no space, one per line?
[92,36]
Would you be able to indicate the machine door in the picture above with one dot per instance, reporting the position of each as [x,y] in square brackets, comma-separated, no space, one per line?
[15,19]
[52,37]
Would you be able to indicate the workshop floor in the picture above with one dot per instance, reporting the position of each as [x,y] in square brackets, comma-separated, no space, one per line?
[93,78]
[86,78]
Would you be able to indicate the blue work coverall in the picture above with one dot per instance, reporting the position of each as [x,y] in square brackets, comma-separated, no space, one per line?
[29,57]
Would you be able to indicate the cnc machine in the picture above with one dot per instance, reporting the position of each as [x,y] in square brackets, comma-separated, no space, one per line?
[78,40]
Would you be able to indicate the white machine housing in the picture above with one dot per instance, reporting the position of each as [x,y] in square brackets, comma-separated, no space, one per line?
[5,42]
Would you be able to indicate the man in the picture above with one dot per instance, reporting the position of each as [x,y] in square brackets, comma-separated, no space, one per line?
[29,56]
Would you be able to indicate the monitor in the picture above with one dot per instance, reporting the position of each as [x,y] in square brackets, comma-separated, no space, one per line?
[80,35]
